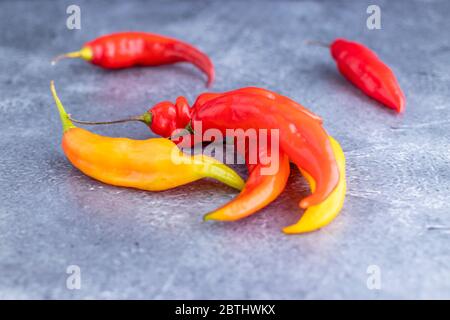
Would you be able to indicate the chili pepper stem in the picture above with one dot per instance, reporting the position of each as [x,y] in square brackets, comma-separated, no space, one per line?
[184,132]
[189,128]
[85,53]
[65,120]
[145,118]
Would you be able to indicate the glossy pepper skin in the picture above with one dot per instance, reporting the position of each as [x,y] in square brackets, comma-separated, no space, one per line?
[166,117]
[128,49]
[302,138]
[320,215]
[275,97]
[259,191]
[362,67]
[153,164]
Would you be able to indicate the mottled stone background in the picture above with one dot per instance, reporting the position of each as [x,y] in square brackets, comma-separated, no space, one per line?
[136,244]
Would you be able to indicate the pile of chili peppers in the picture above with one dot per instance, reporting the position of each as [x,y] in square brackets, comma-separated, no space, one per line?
[158,164]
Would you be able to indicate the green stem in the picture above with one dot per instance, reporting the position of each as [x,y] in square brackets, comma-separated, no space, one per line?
[85,53]
[65,120]
[145,118]
[186,131]
[189,128]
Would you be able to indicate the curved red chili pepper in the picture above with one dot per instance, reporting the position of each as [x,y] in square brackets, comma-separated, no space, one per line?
[303,138]
[365,70]
[127,49]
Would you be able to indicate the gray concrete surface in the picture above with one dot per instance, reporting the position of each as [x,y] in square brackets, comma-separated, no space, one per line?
[135,244]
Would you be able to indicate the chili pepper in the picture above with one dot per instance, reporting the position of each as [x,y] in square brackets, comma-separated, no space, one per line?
[365,70]
[260,190]
[303,138]
[278,98]
[164,118]
[127,49]
[318,216]
[153,164]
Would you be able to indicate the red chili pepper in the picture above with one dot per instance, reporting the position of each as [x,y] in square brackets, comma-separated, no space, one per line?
[365,70]
[167,117]
[278,98]
[259,191]
[303,138]
[127,49]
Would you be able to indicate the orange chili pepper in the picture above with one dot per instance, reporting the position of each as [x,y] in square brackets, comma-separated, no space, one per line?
[152,164]
[259,191]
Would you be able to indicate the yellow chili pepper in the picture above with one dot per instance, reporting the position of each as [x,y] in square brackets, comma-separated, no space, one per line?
[153,164]
[318,216]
